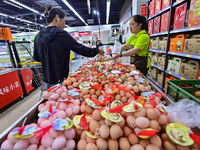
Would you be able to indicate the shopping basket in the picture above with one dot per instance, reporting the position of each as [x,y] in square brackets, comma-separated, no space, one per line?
[180,89]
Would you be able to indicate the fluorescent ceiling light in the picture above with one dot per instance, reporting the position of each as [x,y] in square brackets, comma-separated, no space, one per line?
[70,7]
[107,11]
[11,25]
[89,9]
[12,4]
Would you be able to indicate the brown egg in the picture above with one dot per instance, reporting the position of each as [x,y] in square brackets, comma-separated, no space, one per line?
[104,79]
[86,96]
[93,126]
[156,141]
[154,124]
[135,89]
[132,82]
[137,147]
[129,114]
[144,142]
[152,147]
[81,144]
[108,122]
[130,119]
[164,137]
[78,131]
[179,147]
[124,99]
[169,146]
[148,106]
[104,131]
[124,143]
[113,144]
[67,82]
[90,140]
[137,83]
[141,88]
[120,81]
[70,87]
[133,139]
[109,77]
[142,122]
[75,84]
[81,95]
[152,114]
[197,94]
[85,91]
[162,119]
[115,131]
[103,82]
[117,76]
[123,114]
[117,97]
[89,109]
[96,115]
[98,93]
[128,95]
[73,80]
[140,113]
[157,111]
[94,96]
[91,146]
[83,135]
[127,131]
[99,80]
[122,93]
[102,144]
[102,121]
[122,123]
[92,91]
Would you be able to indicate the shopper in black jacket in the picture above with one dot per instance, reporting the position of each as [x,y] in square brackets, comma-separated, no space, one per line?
[52,47]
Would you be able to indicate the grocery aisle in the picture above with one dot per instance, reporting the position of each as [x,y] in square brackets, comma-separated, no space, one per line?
[17,109]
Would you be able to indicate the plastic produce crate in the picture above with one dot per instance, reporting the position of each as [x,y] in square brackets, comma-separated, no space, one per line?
[179,89]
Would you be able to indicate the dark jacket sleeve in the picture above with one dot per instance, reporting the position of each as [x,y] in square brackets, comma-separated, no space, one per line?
[35,53]
[73,45]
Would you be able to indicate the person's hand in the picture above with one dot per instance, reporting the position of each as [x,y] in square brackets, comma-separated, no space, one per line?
[115,57]
[101,51]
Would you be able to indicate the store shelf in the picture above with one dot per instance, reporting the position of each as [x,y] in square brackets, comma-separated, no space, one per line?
[185,30]
[161,12]
[185,55]
[158,51]
[164,89]
[176,75]
[158,67]
[178,3]
[155,82]
[159,34]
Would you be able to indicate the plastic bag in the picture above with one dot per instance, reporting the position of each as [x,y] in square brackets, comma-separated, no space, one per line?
[185,111]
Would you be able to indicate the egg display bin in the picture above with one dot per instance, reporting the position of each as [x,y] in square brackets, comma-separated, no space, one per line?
[179,89]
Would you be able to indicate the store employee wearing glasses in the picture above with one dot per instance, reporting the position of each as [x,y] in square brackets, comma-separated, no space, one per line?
[52,47]
[138,44]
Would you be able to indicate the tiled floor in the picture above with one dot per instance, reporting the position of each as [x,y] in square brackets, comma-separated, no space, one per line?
[15,110]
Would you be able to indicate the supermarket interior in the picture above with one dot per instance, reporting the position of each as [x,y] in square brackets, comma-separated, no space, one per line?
[100,74]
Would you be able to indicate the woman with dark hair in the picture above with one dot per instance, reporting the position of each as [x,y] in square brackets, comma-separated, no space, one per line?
[52,47]
[138,44]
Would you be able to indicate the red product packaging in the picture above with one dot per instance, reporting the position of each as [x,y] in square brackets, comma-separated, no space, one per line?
[151,8]
[150,27]
[179,16]
[165,3]
[198,74]
[164,22]
[158,4]
[194,13]
[157,25]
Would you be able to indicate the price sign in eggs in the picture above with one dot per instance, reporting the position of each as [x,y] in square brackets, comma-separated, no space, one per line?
[115,71]
[62,124]
[85,85]
[26,133]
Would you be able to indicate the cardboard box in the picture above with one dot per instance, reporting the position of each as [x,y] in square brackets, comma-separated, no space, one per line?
[189,69]
[155,43]
[160,78]
[165,3]
[179,16]
[163,44]
[177,43]
[158,5]
[194,13]
[156,23]
[150,27]
[151,8]
[154,72]
[174,65]
[198,74]
[161,61]
[165,22]
[154,58]
[192,45]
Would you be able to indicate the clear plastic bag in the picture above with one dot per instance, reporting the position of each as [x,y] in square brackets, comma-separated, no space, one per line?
[185,111]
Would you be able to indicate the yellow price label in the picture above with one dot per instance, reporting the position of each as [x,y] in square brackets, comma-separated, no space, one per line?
[161,51]
[192,29]
[156,83]
[170,73]
[159,68]
[153,50]
[182,78]
[173,53]
[175,31]
[188,55]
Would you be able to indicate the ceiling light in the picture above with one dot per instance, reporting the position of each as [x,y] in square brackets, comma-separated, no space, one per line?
[70,7]
[12,4]
[89,9]
[3,15]
[107,11]
[11,25]
[94,11]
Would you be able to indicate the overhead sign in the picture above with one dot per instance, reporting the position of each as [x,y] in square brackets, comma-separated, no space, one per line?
[85,33]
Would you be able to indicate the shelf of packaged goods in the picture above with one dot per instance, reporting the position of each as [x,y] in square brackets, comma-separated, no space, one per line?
[195,28]
[159,34]
[155,82]
[175,4]
[176,75]
[161,12]
[158,67]
[157,51]
[185,55]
